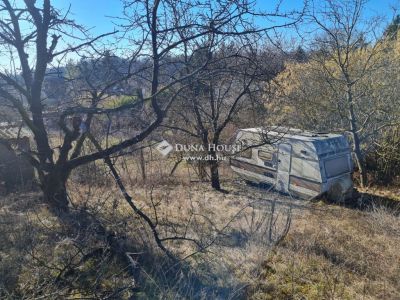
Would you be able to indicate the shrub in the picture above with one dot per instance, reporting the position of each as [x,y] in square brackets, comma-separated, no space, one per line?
[383,163]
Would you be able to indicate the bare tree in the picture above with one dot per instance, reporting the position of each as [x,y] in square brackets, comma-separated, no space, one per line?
[37,45]
[215,99]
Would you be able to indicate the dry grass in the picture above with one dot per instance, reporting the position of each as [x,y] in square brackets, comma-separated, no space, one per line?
[335,253]
[331,252]
[391,192]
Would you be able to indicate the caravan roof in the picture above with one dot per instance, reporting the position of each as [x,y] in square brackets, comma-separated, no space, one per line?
[292,133]
[324,143]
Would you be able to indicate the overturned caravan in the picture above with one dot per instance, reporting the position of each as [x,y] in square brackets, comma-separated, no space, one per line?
[301,163]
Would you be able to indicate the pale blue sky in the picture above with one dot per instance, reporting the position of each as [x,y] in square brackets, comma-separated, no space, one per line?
[92,13]
[95,13]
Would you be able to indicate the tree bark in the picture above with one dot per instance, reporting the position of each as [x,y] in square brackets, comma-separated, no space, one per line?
[356,139]
[215,183]
[214,170]
[142,163]
[359,159]
[54,189]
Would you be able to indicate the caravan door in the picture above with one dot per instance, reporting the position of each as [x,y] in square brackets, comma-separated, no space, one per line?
[284,163]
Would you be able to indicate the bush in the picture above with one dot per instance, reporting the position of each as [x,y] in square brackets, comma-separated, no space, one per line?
[383,163]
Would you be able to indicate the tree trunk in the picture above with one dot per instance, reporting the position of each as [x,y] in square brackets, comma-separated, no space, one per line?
[142,162]
[55,192]
[356,139]
[215,184]
[359,159]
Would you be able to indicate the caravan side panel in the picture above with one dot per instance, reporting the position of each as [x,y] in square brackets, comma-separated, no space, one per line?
[253,172]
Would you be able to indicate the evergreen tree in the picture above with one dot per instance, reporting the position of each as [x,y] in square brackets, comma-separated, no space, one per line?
[393,28]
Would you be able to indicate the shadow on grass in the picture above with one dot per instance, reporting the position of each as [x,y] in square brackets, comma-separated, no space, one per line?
[366,201]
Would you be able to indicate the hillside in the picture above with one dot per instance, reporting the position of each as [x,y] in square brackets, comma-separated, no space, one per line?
[329,252]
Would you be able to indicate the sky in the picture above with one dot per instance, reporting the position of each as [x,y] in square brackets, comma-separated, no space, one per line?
[96,13]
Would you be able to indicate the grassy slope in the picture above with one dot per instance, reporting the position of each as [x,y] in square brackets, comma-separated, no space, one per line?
[331,252]
[335,253]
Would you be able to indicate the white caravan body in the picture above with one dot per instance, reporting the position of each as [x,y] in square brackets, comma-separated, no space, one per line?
[302,163]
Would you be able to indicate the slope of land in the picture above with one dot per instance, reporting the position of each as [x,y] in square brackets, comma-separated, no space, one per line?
[329,252]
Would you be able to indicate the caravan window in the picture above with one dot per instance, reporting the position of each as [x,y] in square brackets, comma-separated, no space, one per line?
[264,155]
[268,158]
[336,166]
